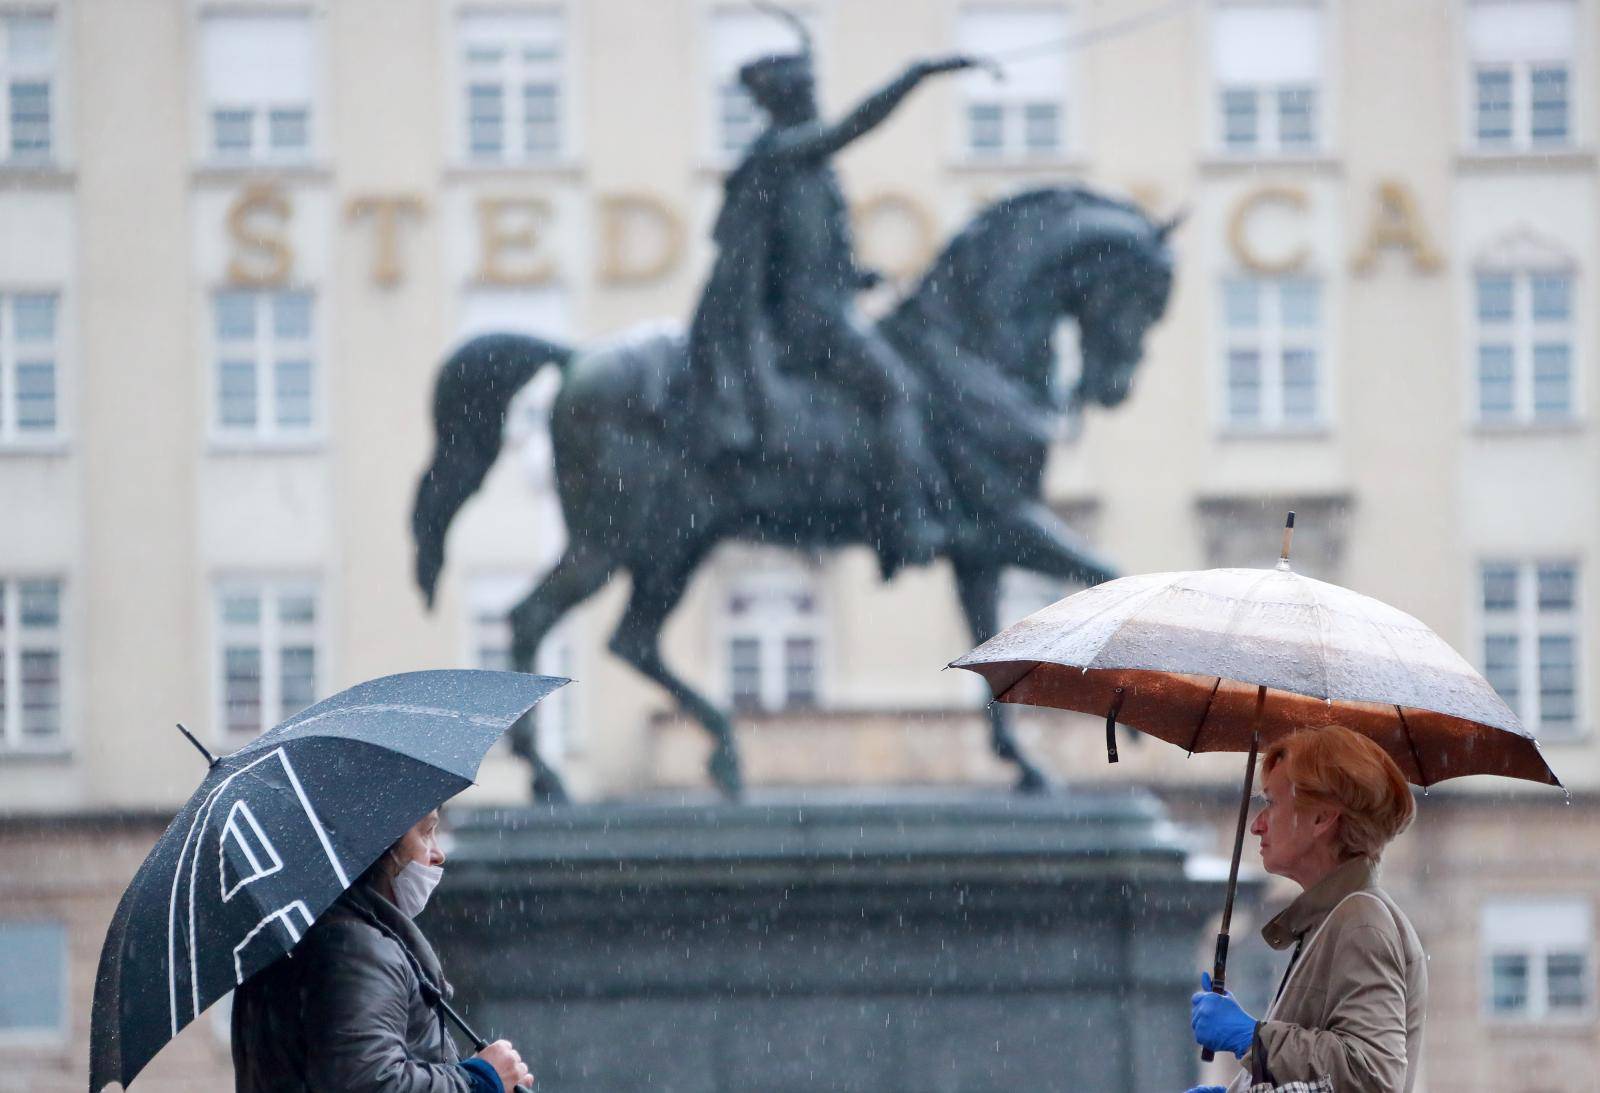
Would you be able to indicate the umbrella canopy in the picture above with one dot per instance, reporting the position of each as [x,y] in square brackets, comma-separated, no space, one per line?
[275,833]
[1182,656]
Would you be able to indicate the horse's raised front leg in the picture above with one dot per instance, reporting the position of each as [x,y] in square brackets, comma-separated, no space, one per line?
[637,640]
[978,583]
[576,577]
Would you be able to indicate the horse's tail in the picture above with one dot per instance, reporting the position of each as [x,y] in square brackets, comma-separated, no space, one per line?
[470,397]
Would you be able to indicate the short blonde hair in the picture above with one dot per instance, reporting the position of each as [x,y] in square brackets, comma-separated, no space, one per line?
[1340,768]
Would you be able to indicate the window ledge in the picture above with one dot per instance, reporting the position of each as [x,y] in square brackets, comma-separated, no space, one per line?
[1231,163]
[253,446]
[261,171]
[1555,427]
[1017,165]
[55,446]
[565,168]
[16,175]
[1526,159]
[1506,1025]
[41,756]
[1582,738]
[1228,433]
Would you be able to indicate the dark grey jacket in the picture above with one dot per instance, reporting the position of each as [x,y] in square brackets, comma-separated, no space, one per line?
[349,1011]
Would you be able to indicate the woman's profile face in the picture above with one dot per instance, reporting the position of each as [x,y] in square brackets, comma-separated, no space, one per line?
[1291,833]
[421,843]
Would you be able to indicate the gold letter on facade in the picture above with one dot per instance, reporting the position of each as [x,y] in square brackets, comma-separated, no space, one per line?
[386,214]
[263,257]
[508,239]
[1244,251]
[916,233]
[1397,223]
[630,216]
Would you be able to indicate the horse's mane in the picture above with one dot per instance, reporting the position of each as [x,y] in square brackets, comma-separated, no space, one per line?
[970,257]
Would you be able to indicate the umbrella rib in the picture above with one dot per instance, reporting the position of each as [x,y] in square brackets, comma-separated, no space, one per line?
[1416,756]
[1205,713]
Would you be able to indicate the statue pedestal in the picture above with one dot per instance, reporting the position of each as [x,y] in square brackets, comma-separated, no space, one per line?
[831,942]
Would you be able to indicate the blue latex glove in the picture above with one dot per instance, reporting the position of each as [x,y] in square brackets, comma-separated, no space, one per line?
[1219,1022]
[1208,1089]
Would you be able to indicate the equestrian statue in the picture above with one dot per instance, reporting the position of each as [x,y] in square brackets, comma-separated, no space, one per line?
[784,416]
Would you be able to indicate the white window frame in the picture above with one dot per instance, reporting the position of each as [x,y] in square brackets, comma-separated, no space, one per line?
[1537,948]
[980,88]
[768,578]
[260,152]
[269,638]
[513,74]
[44,1035]
[1521,140]
[483,628]
[1525,332]
[1269,116]
[1529,624]
[46,71]
[14,642]
[265,352]
[11,435]
[1271,339]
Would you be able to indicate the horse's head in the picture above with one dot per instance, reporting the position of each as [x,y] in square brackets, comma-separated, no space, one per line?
[1027,262]
[1116,291]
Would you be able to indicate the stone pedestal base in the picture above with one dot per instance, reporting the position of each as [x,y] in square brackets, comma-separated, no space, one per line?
[950,943]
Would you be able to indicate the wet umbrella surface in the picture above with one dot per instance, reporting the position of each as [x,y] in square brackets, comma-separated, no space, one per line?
[1182,656]
[275,833]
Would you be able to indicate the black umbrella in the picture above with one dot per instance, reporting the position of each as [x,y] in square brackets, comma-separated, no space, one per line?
[275,833]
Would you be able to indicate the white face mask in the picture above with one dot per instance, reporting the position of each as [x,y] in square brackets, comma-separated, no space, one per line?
[413,885]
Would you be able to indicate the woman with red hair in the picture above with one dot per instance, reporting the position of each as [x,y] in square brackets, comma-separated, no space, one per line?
[1348,1014]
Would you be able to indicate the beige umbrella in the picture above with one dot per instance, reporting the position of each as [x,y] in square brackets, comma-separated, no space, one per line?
[1226,659]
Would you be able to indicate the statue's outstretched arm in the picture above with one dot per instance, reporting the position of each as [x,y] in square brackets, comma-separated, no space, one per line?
[821,141]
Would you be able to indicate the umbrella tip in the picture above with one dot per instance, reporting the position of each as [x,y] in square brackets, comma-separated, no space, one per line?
[211,760]
[1288,538]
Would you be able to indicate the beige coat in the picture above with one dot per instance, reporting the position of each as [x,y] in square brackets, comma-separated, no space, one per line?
[1352,1006]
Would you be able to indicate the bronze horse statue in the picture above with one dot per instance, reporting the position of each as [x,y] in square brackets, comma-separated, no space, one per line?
[978,329]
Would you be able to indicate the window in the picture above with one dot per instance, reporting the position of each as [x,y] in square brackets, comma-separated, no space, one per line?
[1520,81]
[490,599]
[1024,116]
[258,75]
[1537,957]
[1270,353]
[268,661]
[33,979]
[1525,346]
[29,408]
[27,87]
[265,377]
[1531,627]
[512,75]
[30,663]
[740,35]
[1267,64]
[772,636]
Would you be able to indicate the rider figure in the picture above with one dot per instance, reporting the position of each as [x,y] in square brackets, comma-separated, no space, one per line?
[785,282]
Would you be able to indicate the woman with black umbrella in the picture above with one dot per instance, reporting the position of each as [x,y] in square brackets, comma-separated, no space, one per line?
[358,1006]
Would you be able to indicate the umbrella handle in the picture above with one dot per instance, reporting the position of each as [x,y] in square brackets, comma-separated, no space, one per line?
[478,1042]
[1219,973]
[1220,969]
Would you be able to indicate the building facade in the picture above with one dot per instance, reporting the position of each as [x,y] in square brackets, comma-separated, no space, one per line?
[237,239]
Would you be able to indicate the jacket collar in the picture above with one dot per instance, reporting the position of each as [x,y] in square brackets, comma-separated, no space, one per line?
[1317,902]
[394,921]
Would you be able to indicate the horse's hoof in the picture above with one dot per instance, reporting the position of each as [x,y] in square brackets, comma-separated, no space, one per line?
[549,789]
[724,771]
[1034,781]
